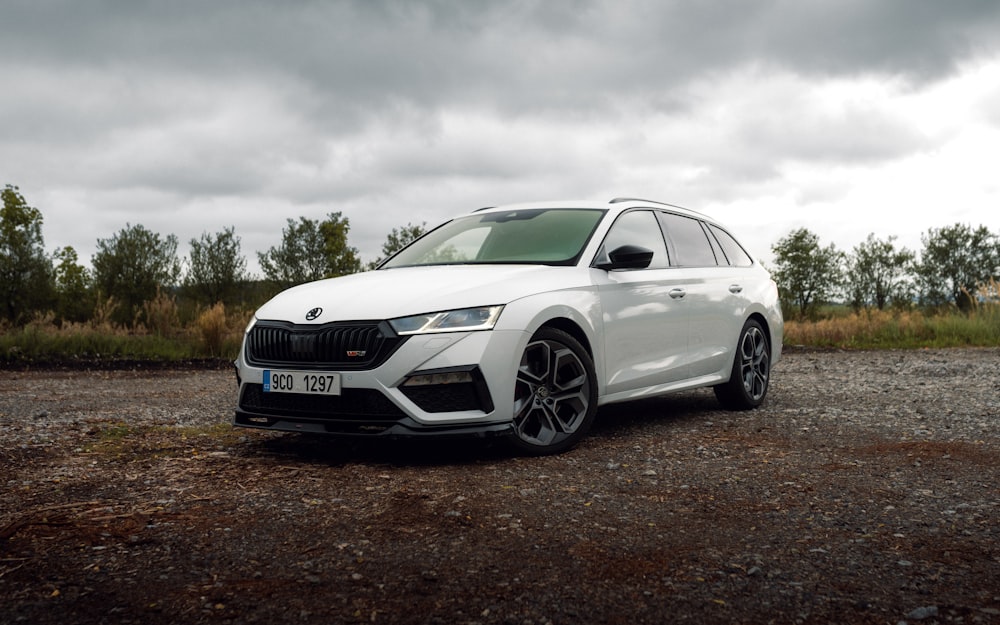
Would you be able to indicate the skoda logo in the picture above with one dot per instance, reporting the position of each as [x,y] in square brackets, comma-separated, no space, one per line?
[314,313]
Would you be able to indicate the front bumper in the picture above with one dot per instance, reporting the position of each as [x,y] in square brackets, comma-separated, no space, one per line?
[376,403]
[402,428]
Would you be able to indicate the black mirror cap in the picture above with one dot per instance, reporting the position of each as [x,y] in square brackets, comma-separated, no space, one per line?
[628,257]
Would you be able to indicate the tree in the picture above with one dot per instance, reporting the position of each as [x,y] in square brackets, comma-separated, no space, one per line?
[132,266]
[877,272]
[300,256]
[311,250]
[955,262]
[25,270]
[341,259]
[74,295]
[399,238]
[216,268]
[807,275]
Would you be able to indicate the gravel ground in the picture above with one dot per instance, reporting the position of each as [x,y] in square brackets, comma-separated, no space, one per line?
[864,491]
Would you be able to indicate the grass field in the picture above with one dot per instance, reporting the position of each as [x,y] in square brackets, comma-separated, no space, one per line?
[216,334]
[875,329]
[212,334]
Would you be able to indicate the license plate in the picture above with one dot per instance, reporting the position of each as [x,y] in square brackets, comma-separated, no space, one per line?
[305,382]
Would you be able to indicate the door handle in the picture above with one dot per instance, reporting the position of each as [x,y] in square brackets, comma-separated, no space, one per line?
[677,293]
[735,288]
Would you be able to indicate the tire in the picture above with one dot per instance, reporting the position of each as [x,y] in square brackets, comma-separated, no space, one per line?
[748,382]
[555,394]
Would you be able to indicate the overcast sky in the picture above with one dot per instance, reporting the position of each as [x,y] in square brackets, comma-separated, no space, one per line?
[842,116]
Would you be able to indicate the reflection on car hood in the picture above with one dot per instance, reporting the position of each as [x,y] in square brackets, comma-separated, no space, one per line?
[391,293]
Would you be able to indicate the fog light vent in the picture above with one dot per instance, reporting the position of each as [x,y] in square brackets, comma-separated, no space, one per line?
[448,390]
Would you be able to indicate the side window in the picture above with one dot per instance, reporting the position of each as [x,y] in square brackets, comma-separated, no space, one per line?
[734,251]
[638,228]
[689,243]
[720,256]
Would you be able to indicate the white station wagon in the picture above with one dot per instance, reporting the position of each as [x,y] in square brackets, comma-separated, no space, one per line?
[517,321]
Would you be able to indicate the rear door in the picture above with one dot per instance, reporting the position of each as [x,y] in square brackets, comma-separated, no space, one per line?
[713,292]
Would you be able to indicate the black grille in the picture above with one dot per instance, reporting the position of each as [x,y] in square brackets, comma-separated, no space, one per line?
[340,346]
[353,404]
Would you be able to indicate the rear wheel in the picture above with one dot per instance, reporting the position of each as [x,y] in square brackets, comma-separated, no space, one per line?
[748,382]
[555,394]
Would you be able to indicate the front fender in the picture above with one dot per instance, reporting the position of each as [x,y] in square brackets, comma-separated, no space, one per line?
[579,307]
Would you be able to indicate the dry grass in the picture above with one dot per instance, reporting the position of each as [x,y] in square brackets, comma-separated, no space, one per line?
[902,329]
[861,327]
[213,327]
[214,333]
[104,312]
[160,314]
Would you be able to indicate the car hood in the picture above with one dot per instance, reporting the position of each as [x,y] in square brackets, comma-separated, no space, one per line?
[390,293]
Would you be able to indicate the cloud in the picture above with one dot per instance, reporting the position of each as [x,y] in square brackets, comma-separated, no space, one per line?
[189,117]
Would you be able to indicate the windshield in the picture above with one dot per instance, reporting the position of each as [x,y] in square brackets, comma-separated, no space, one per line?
[534,236]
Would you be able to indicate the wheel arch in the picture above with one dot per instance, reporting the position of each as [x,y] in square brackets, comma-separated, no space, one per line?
[773,329]
[571,328]
[762,320]
[576,312]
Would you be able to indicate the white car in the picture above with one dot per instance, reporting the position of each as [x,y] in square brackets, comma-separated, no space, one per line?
[517,321]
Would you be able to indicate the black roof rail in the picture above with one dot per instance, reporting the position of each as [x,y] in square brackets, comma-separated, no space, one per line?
[485,208]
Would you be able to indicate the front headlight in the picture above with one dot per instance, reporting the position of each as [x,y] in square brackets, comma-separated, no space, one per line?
[464,320]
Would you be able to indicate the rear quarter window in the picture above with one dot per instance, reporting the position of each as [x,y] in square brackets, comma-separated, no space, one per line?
[735,254]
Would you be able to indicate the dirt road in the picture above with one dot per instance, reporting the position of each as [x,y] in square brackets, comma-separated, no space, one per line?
[864,491]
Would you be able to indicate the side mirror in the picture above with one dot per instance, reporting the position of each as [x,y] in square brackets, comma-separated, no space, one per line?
[627,257]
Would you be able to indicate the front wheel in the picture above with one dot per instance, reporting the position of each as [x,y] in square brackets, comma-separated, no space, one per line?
[555,394]
[748,382]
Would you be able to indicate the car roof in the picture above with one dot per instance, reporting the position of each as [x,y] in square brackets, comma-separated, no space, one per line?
[617,205]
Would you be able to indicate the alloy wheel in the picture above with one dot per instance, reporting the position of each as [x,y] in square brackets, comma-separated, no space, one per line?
[552,397]
[755,364]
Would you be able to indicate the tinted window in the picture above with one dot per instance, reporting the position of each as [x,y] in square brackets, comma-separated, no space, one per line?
[720,256]
[638,228]
[689,243]
[544,236]
[734,252]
